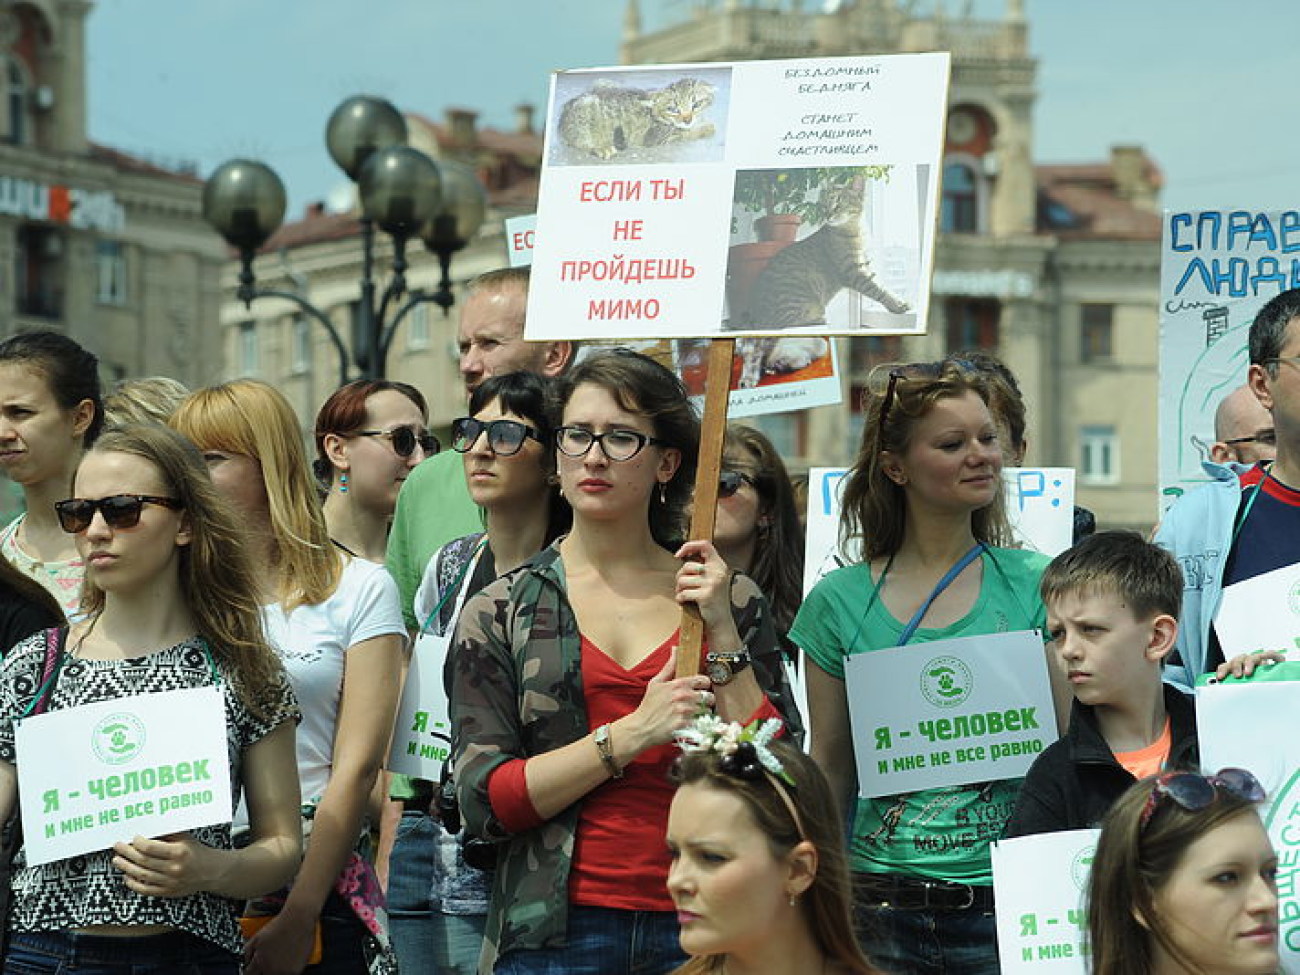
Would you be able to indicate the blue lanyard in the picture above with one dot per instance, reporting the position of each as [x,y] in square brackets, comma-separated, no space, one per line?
[915,622]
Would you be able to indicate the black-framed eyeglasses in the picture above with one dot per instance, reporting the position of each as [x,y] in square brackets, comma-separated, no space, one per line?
[615,444]
[405,439]
[1196,792]
[505,437]
[119,510]
[729,482]
[1267,438]
[1278,360]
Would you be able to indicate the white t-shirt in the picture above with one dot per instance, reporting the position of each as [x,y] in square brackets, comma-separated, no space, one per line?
[312,642]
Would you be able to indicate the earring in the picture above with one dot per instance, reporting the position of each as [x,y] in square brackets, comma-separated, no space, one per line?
[794,900]
[663,493]
[343,483]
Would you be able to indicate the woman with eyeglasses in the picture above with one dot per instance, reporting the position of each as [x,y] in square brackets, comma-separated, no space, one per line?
[370,434]
[335,622]
[923,502]
[170,605]
[1184,880]
[564,698]
[51,410]
[757,530]
[437,892]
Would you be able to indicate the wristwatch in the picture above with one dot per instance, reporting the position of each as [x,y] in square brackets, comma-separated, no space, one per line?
[605,748]
[720,668]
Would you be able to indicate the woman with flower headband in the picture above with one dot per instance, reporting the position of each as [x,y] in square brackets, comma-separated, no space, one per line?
[1184,880]
[759,875]
[924,503]
[563,695]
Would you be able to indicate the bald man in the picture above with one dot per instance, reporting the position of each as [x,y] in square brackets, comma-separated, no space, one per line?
[1243,430]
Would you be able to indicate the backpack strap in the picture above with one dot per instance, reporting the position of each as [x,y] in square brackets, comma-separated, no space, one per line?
[49,671]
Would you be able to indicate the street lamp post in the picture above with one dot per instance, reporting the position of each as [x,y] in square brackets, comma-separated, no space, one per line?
[402,191]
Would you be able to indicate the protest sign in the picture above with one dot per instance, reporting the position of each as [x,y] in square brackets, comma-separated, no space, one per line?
[768,375]
[1217,269]
[422,731]
[1261,613]
[1040,885]
[520,234]
[696,200]
[95,774]
[948,712]
[1251,725]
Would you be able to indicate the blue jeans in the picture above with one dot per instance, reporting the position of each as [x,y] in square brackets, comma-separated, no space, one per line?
[605,941]
[929,942]
[425,939]
[342,940]
[176,953]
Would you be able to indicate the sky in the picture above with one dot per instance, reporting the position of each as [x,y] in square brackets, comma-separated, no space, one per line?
[1204,86]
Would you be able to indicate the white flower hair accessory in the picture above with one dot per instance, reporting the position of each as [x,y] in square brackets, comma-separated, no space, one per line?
[742,751]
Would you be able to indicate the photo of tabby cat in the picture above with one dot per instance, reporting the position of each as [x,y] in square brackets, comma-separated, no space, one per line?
[801,279]
[610,119]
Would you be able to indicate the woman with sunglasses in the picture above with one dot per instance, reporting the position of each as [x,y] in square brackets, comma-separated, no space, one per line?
[370,434]
[437,898]
[757,529]
[51,410]
[563,695]
[170,604]
[335,622]
[923,502]
[1184,880]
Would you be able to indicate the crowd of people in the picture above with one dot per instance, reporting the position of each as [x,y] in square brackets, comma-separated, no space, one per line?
[602,809]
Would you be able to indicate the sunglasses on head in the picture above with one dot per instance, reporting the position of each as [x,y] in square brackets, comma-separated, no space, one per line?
[405,439]
[1194,792]
[505,437]
[729,482]
[119,510]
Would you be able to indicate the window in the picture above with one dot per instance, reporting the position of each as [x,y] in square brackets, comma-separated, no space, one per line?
[960,209]
[110,273]
[417,325]
[14,130]
[1096,332]
[1098,455]
[972,323]
[301,346]
[247,353]
[38,271]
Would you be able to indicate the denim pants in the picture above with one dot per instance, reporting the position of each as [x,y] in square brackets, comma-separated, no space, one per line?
[605,941]
[175,953]
[929,942]
[342,940]
[427,941]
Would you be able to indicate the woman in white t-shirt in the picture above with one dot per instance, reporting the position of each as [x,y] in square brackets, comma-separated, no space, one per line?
[336,623]
[170,606]
[51,410]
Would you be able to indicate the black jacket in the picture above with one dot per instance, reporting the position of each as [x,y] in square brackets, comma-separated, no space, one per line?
[1077,779]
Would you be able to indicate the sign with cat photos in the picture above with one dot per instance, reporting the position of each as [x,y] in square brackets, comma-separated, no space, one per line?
[760,198]
[768,374]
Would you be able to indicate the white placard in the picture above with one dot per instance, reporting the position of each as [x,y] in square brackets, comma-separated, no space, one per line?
[520,233]
[949,712]
[1217,269]
[1040,885]
[1251,725]
[1261,613]
[768,375]
[1039,500]
[422,732]
[92,775]
[676,200]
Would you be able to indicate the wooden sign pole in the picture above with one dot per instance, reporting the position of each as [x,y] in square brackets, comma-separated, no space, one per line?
[704,507]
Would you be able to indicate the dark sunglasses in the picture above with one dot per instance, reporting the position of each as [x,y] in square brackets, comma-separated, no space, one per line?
[119,510]
[405,439]
[505,437]
[1196,792]
[729,483]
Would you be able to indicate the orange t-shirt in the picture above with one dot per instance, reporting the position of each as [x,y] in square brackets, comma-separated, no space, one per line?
[1149,760]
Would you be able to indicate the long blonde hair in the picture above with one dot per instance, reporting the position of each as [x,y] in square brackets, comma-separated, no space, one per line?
[250,417]
[217,579]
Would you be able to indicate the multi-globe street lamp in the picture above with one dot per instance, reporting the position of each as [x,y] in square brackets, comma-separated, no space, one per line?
[401,190]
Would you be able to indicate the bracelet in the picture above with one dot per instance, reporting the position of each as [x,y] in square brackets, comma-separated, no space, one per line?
[605,748]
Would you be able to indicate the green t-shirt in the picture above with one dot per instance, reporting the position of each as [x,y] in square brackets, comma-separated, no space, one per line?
[940,834]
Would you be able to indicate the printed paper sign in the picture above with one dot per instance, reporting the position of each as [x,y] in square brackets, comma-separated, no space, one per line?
[752,197]
[768,375]
[1039,500]
[422,732]
[1262,613]
[1217,269]
[92,775]
[520,232]
[949,712]
[1040,884]
[1252,726]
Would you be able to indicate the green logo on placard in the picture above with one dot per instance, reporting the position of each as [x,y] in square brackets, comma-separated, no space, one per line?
[1081,867]
[118,738]
[1293,598]
[946,682]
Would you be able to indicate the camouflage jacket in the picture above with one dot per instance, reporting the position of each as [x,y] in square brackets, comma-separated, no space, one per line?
[516,691]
